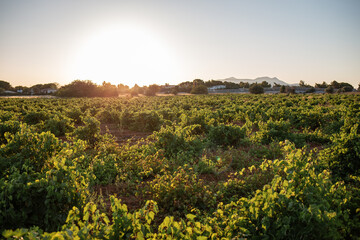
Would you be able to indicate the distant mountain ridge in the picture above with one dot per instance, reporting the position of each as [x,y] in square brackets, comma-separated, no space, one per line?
[271,81]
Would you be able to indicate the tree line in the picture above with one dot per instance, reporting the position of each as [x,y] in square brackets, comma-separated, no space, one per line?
[87,88]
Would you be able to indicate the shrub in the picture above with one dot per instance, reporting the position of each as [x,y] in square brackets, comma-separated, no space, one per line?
[343,157]
[226,135]
[26,149]
[33,118]
[147,121]
[177,144]
[40,199]
[109,115]
[75,114]
[90,132]
[245,182]
[104,169]
[181,191]
[59,125]
[10,127]
[272,130]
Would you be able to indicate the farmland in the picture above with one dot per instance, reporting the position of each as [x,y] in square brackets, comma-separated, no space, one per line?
[183,167]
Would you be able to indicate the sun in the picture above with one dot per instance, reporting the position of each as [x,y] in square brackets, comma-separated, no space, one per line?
[125,54]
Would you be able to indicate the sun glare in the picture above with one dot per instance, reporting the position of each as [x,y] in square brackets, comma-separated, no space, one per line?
[125,54]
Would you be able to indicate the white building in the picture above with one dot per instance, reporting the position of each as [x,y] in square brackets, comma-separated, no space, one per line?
[216,87]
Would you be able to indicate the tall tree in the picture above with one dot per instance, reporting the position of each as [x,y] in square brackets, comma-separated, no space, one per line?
[5,85]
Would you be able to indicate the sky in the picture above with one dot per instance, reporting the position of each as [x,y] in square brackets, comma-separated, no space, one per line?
[163,41]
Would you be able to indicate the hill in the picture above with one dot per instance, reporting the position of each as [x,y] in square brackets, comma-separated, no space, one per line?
[271,81]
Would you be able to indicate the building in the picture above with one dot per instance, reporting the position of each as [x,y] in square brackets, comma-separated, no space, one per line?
[216,87]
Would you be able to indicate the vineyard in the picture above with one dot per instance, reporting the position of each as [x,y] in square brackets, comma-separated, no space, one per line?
[181,167]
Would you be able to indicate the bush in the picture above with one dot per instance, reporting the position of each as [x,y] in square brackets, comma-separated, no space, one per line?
[343,158]
[26,149]
[177,144]
[226,135]
[109,115]
[10,127]
[245,183]
[104,169]
[40,199]
[181,191]
[90,132]
[148,121]
[59,125]
[272,130]
[256,89]
[33,118]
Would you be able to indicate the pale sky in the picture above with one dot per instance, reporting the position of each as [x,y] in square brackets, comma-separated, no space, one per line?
[154,41]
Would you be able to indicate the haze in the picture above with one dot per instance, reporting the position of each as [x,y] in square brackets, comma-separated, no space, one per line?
[148,42]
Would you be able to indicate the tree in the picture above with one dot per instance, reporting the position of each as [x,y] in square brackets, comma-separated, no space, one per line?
[152,90]
[290,90]
[198,82]
[108,90]
[265,84]
[335,84]
[78,88]
[322,85]
[135,90]
[185,86]
[282,89]
[5,85]
[256,89]
[231,85]
[175,90]
[244,85]
[311,90]
[200,89]
[329,89]
[122,88]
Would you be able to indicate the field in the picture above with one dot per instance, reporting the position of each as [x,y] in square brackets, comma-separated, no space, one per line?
[181,167]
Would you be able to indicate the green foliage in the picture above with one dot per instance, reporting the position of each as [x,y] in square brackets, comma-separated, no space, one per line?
[89,132]
[210,149]
[59,125]
[10,127]
[178,143]
[41,199]
[245,182]
[78,88]
[272,130]
[146,121]
[256,89]
[226,135]
[343,157]
[329,89]
[35,117]
[181,191]
[104,169]
[199,89]
[26,149]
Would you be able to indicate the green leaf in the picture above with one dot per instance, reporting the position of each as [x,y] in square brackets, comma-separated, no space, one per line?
[190,216]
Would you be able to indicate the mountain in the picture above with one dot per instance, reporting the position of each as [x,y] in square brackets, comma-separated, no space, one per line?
[271,81]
